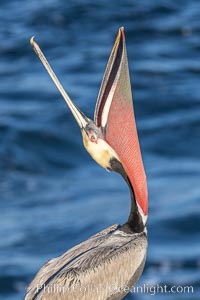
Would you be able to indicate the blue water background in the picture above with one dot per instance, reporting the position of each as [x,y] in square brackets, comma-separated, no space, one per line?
[53,195]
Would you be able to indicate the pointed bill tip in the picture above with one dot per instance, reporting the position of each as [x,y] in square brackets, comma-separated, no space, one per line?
[121,29]
[120,36]
[32,40]
[121,32]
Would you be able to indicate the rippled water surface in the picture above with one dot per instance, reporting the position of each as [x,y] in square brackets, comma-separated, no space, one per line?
[53,195]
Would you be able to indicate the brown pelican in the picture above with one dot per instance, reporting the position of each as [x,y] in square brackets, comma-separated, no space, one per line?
[110,262]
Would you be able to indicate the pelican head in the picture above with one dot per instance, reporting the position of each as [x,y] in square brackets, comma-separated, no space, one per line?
[97,147]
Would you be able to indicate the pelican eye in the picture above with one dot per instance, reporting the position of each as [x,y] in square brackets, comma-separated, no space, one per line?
[93,137]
